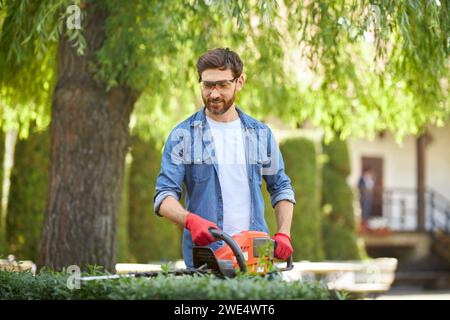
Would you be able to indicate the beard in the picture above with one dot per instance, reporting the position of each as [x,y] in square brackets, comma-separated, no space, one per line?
[218,106]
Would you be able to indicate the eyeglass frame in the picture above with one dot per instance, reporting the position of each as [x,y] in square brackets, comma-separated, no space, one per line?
[216,82]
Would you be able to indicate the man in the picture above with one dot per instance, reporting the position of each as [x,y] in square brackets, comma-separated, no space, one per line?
[221,155]
[366,186]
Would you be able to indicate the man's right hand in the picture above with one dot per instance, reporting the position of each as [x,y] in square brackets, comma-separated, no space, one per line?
[199,229]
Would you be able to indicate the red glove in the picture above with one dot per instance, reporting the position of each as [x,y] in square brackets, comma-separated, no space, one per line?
[283,247]
[199,229]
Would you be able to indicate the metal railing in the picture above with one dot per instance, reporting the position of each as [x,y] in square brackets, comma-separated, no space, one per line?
[400,210]
[439,210]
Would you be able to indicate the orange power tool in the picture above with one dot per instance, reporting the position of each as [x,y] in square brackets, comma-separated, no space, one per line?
[248,251]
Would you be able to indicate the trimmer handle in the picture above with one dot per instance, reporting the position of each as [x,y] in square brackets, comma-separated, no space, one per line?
[221,235]
[289,262]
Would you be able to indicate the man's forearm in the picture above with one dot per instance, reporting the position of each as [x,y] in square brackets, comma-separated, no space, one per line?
[172,209]
[284,211]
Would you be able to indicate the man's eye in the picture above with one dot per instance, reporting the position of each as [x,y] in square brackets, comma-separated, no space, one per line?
[223,84]
[209,84]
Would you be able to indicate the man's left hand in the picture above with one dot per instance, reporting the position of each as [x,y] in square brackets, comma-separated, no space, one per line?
[283,246]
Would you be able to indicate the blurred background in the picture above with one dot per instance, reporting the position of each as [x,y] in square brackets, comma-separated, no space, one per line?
[356,93]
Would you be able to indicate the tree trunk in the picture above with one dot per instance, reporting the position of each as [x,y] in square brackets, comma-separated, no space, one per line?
[89,141]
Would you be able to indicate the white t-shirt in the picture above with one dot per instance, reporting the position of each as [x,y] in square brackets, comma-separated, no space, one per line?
[233,178]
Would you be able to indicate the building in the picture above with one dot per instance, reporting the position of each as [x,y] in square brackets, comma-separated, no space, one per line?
[416,170]
[411,210]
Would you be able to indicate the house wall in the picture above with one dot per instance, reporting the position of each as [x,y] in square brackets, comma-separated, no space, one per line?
[438,161]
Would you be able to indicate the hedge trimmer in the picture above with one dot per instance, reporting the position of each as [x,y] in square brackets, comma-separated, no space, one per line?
[250,252]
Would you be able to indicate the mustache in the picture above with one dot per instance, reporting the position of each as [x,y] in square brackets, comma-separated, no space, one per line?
[215,100]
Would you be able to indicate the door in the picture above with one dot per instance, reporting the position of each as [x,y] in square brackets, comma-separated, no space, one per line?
[376,165]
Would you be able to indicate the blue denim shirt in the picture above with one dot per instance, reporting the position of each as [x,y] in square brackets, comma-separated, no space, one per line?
[189,158]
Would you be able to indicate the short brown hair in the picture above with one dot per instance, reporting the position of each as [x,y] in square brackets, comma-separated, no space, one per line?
[220,58]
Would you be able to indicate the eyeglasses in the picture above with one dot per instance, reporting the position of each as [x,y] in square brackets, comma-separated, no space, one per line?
[221,85]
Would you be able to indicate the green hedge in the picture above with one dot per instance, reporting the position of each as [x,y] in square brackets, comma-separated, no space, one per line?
[51,285]
[28,194]
[2,160]
[122,239]
[2,224]
[301,166]
[151,238]
[338,225]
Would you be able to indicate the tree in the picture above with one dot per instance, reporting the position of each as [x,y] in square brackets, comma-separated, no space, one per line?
[96,86]
[89,143]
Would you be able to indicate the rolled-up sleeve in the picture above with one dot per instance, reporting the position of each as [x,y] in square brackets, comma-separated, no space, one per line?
[171,175]
[278,183]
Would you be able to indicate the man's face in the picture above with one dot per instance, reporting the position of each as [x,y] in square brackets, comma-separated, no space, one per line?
[221,97]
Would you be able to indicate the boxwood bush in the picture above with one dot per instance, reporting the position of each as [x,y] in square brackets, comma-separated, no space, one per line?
[301,166]
[28,194]
[338,223]
[151,238]
[53,285]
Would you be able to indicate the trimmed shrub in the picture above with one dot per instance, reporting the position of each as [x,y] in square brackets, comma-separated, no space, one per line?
[338,225]
[2,224]
[2,160]
[122,246]
[269,212]
[151,238]
[338,156]
[301,166]
[52,285]
[28,194]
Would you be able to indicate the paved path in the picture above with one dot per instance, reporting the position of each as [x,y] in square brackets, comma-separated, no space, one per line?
[413,293]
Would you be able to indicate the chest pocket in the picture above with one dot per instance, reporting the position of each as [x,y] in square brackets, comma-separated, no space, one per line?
[199,173]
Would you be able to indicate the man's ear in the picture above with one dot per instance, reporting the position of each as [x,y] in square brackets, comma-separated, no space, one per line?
[240,82]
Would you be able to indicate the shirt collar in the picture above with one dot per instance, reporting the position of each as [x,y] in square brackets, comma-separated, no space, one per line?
[200,119]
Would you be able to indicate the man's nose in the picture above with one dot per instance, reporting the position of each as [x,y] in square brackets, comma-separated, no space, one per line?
[214,93]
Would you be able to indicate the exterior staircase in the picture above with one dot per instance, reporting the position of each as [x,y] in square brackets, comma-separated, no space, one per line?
[424,256]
